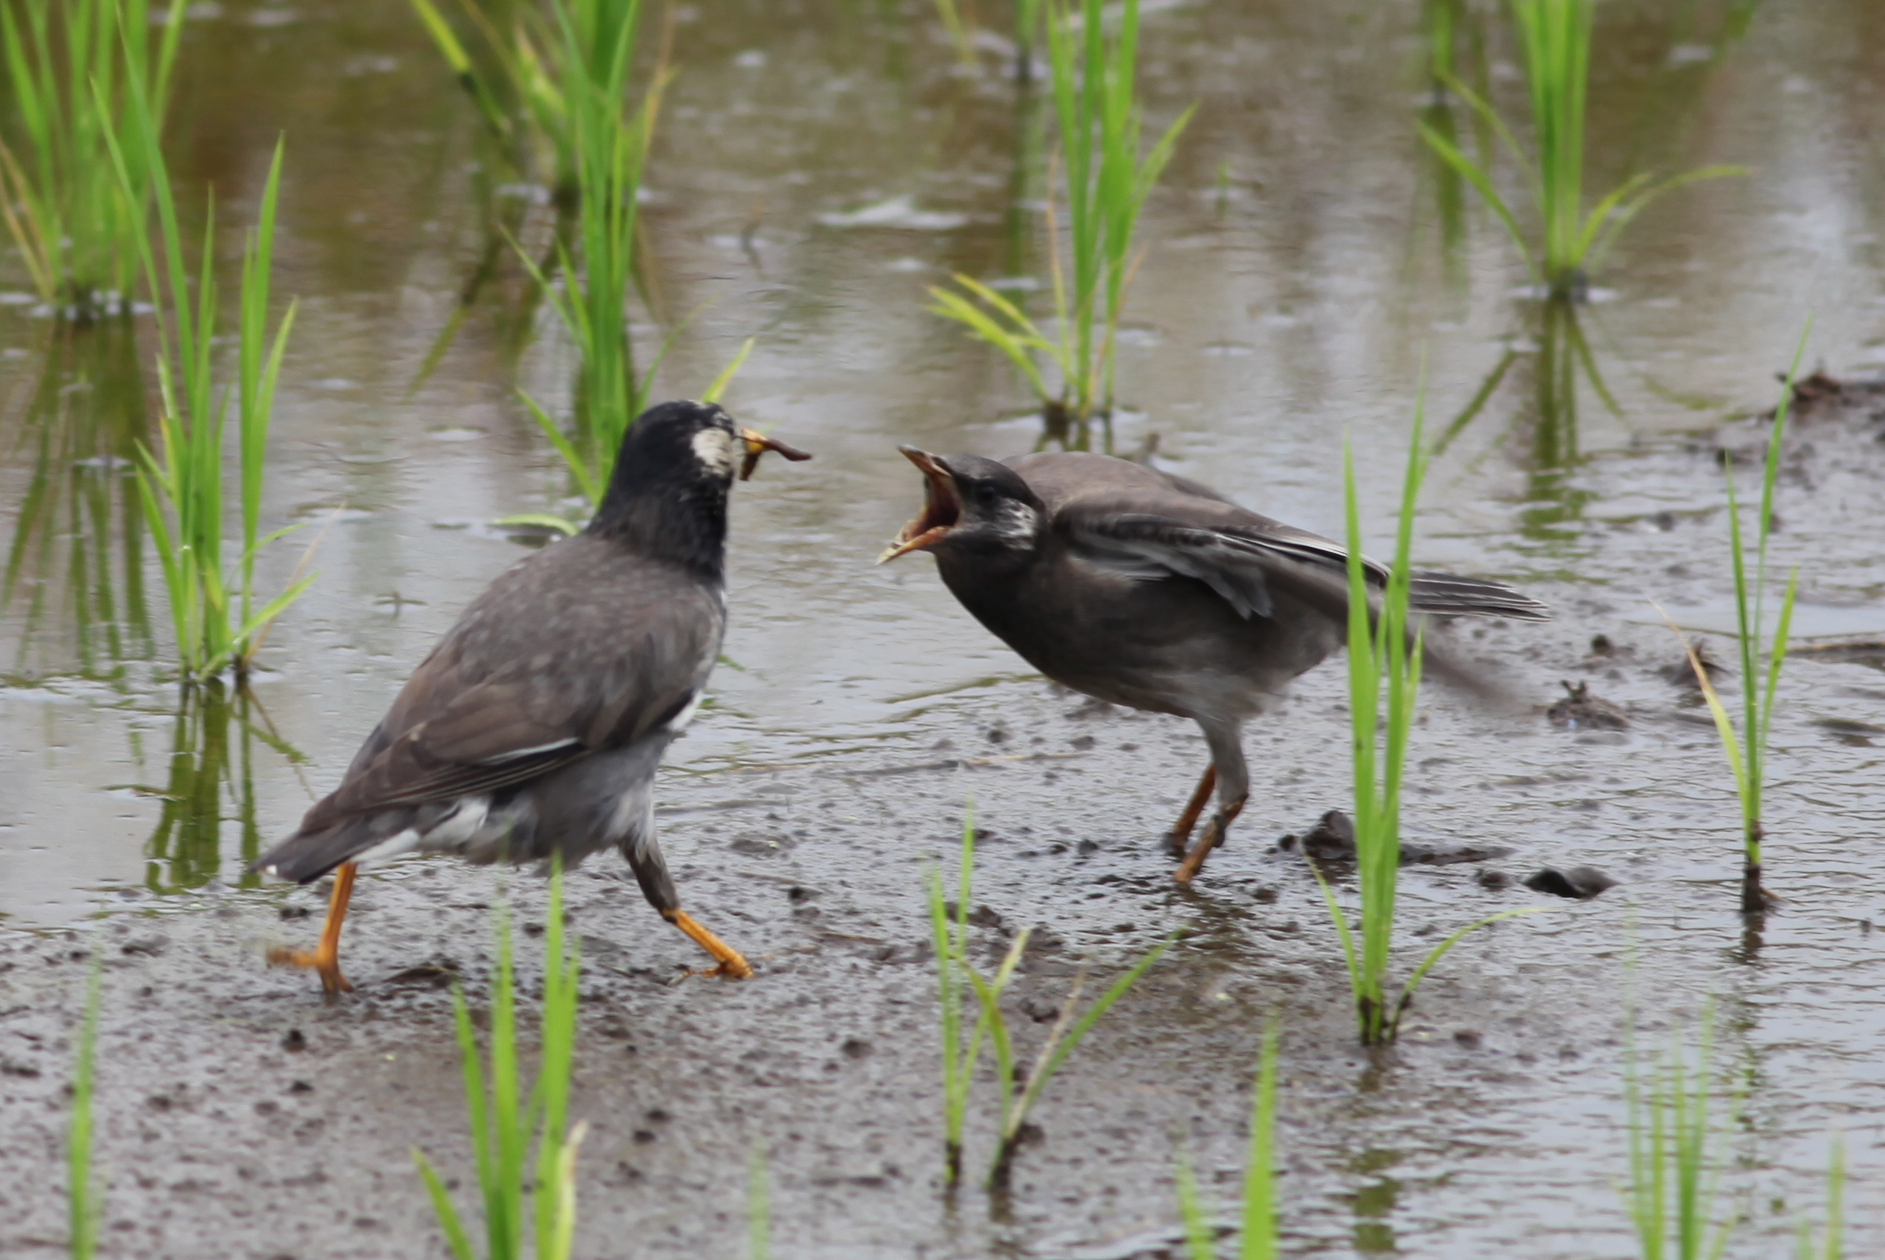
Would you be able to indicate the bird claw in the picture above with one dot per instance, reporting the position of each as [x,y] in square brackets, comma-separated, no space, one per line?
[326,966]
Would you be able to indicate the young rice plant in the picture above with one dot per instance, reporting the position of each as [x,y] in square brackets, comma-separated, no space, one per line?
[1257,1239]
[1555,38]
[1106,180]
[1746,749]
[1675,1157]
[75,81]
[1384,655]
[1830,1243]
[953,971]
[504,1122]
[609,147]
[81,1206]
[213,607]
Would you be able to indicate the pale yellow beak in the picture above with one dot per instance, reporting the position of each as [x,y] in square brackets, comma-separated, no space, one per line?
[942,507]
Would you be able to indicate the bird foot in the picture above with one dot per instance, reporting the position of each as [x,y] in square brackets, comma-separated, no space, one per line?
[323,962]
[731,965]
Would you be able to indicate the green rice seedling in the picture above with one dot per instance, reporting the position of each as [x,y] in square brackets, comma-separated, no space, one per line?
[1830,1243]
[950,936]
[1746,749]
[1257,1239]
[949,941]
[1106,180]
[75,70]
[518,70]
[1384,659]
[213,606]
[505,1122]
[758,1207]
[1555,38]
[1675,1160]
[81,1204]
[1027,30]
[1018,1094]
[609,142]
[951,16]
[550,81]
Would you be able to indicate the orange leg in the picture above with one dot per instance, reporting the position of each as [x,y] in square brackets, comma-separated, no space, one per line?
[325,957]
[732,966]
[1180,835]
[1213,836]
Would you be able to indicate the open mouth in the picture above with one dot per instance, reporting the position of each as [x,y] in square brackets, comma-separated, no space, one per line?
[942,507]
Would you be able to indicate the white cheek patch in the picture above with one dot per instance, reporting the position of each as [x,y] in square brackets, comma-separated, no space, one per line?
[714,449]
[1016,523]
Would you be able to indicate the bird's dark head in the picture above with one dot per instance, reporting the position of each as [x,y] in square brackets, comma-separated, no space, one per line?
[971,505]
[686,441]
[669,488]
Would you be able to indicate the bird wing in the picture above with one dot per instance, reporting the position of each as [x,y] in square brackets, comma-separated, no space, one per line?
[1147,524]
[1241,562]
[503,699]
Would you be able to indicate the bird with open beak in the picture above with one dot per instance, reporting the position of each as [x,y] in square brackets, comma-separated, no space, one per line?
[1151,591]
[534,728]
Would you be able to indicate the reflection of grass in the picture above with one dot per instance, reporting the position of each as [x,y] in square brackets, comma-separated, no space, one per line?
[1106,181]
[211,780]
[1746,749]
[75,80]
[1258,1236]
[1560,360]
[181,486]
[1384,650]
[76,558]
[1555,37]
[504,1122]
[953,971]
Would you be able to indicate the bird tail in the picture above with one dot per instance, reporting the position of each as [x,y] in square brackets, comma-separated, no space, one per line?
[1450,596]
[307,855]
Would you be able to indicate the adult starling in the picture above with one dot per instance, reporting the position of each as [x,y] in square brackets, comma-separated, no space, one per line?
[534,728]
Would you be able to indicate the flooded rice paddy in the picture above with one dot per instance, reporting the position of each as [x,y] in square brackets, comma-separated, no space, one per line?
[817,166]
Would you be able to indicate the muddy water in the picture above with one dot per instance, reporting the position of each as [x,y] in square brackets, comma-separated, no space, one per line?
[818,166]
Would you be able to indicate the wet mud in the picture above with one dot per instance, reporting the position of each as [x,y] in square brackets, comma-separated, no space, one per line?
[820,168]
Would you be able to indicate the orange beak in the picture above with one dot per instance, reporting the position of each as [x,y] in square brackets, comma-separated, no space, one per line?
[942,507]
[758,444]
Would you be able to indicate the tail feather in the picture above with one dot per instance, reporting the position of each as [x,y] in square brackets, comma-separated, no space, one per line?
[1457,596]
[307,855]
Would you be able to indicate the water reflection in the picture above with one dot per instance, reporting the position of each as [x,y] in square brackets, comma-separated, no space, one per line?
[1374,1202]
[1456,51]
[212,782]
[1543,437]
[74,566]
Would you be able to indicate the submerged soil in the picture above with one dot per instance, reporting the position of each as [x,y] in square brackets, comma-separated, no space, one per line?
[818,168]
